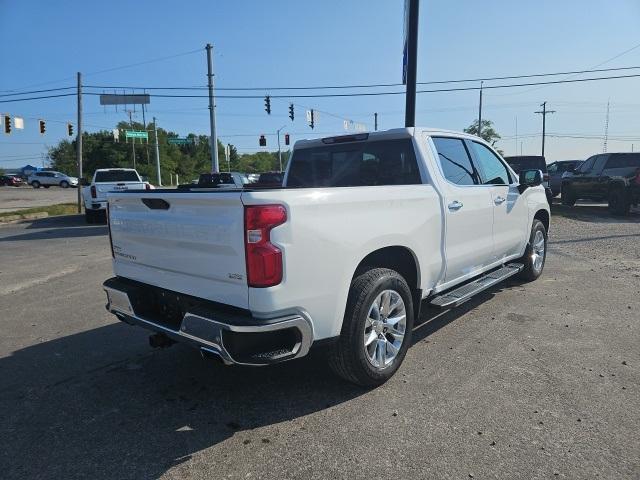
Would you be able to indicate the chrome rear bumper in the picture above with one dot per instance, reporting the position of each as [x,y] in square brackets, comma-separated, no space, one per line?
[261,342]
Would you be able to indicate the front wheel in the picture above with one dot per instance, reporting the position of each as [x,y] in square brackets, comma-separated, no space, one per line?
[535,254]
[618,203]
[64,184]
[376,330]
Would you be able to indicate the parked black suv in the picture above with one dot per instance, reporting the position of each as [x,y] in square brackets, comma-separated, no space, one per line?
[531,162]
[614,177]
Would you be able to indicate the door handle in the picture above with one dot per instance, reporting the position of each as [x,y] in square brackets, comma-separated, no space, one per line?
[499,200]
[455,205]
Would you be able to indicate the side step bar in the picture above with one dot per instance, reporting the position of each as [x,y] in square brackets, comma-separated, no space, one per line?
[458,296]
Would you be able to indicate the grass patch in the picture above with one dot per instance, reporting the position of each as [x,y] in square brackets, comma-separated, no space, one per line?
[50,210]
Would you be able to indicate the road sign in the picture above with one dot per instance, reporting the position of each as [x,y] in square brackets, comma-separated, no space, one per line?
[179,141]
[136,134]
[109,99]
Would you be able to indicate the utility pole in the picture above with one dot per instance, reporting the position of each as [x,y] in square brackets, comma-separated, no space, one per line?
[544,112]
[279,152]
[133,141]
[516,134]
[375,122]
[412,60]
[213,139]
[606,130]
[480,112]
[79,143]
[155,129]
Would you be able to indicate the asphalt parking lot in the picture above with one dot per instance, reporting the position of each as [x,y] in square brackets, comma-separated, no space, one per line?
[526,381]
[19,198]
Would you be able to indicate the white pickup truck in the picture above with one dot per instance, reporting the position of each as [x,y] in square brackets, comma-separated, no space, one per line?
[107,180]
[366,229]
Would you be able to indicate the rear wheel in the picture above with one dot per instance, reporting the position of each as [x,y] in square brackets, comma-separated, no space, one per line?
[535,254]
[568,198]
[35,184]
[619,204]
[376,331]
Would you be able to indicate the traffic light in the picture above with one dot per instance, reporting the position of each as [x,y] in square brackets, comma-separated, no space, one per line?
[311,119]
[70,129]
[291,111]
[263,140]
[6,119]
[267,104]
[43,126]
[286,139]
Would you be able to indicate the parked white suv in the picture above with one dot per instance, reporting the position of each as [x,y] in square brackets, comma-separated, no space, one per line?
[47,178]
[366,229]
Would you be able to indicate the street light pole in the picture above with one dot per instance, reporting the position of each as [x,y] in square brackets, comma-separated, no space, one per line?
[213,139]
[155,129]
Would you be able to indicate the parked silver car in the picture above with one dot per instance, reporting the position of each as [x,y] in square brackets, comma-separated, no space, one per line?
[47,178]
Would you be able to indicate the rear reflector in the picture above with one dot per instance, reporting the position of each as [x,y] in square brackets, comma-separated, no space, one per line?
[264,260]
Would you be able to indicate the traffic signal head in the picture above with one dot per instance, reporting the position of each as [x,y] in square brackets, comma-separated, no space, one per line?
[311,120]
[6,120]
[262,141]
[42,126]
[70,129]
[286,139]
[291,111]
[267,104]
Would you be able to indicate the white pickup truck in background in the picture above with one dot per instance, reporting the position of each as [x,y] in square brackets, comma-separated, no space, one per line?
[366,229]
[107,180]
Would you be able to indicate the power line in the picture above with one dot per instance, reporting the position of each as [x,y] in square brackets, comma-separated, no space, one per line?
[36,91]
[375,94]
[37,98]
[370,85]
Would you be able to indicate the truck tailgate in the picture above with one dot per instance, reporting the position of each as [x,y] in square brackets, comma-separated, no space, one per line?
[103,188]
[182,241]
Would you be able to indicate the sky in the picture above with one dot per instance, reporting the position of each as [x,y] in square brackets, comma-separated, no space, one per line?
[146,44]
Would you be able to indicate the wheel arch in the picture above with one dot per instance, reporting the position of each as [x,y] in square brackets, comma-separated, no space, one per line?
[401,259]
[544,217]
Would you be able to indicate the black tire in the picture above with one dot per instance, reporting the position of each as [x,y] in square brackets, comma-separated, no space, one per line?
[46,186]
[568,198]
[89,216]
[64,184]
[619,204]
[530,272]
[347,356]
[35,184]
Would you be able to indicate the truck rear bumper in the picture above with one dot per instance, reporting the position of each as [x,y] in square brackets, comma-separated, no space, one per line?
[236,337]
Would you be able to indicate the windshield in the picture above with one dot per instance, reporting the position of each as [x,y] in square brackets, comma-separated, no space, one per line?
[117,176]
[385,162]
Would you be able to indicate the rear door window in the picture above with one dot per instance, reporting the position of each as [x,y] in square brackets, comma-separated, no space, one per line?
[623,160]
[353,164]
[455,161]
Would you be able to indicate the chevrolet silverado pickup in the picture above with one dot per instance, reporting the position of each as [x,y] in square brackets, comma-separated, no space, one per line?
[104,180]
[365,229]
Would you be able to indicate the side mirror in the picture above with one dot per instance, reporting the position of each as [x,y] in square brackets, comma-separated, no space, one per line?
[529,178]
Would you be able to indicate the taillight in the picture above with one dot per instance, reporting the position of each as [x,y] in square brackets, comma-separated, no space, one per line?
[94,194]
[264,260]
[109,228]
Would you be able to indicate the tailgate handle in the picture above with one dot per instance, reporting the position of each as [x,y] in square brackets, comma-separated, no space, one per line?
[156,203]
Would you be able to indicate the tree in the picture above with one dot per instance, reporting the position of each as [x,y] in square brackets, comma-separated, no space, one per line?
[188,161]
[488,133]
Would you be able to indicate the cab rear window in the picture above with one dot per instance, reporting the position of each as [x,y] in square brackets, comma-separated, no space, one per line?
[113,176]
[370,163]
